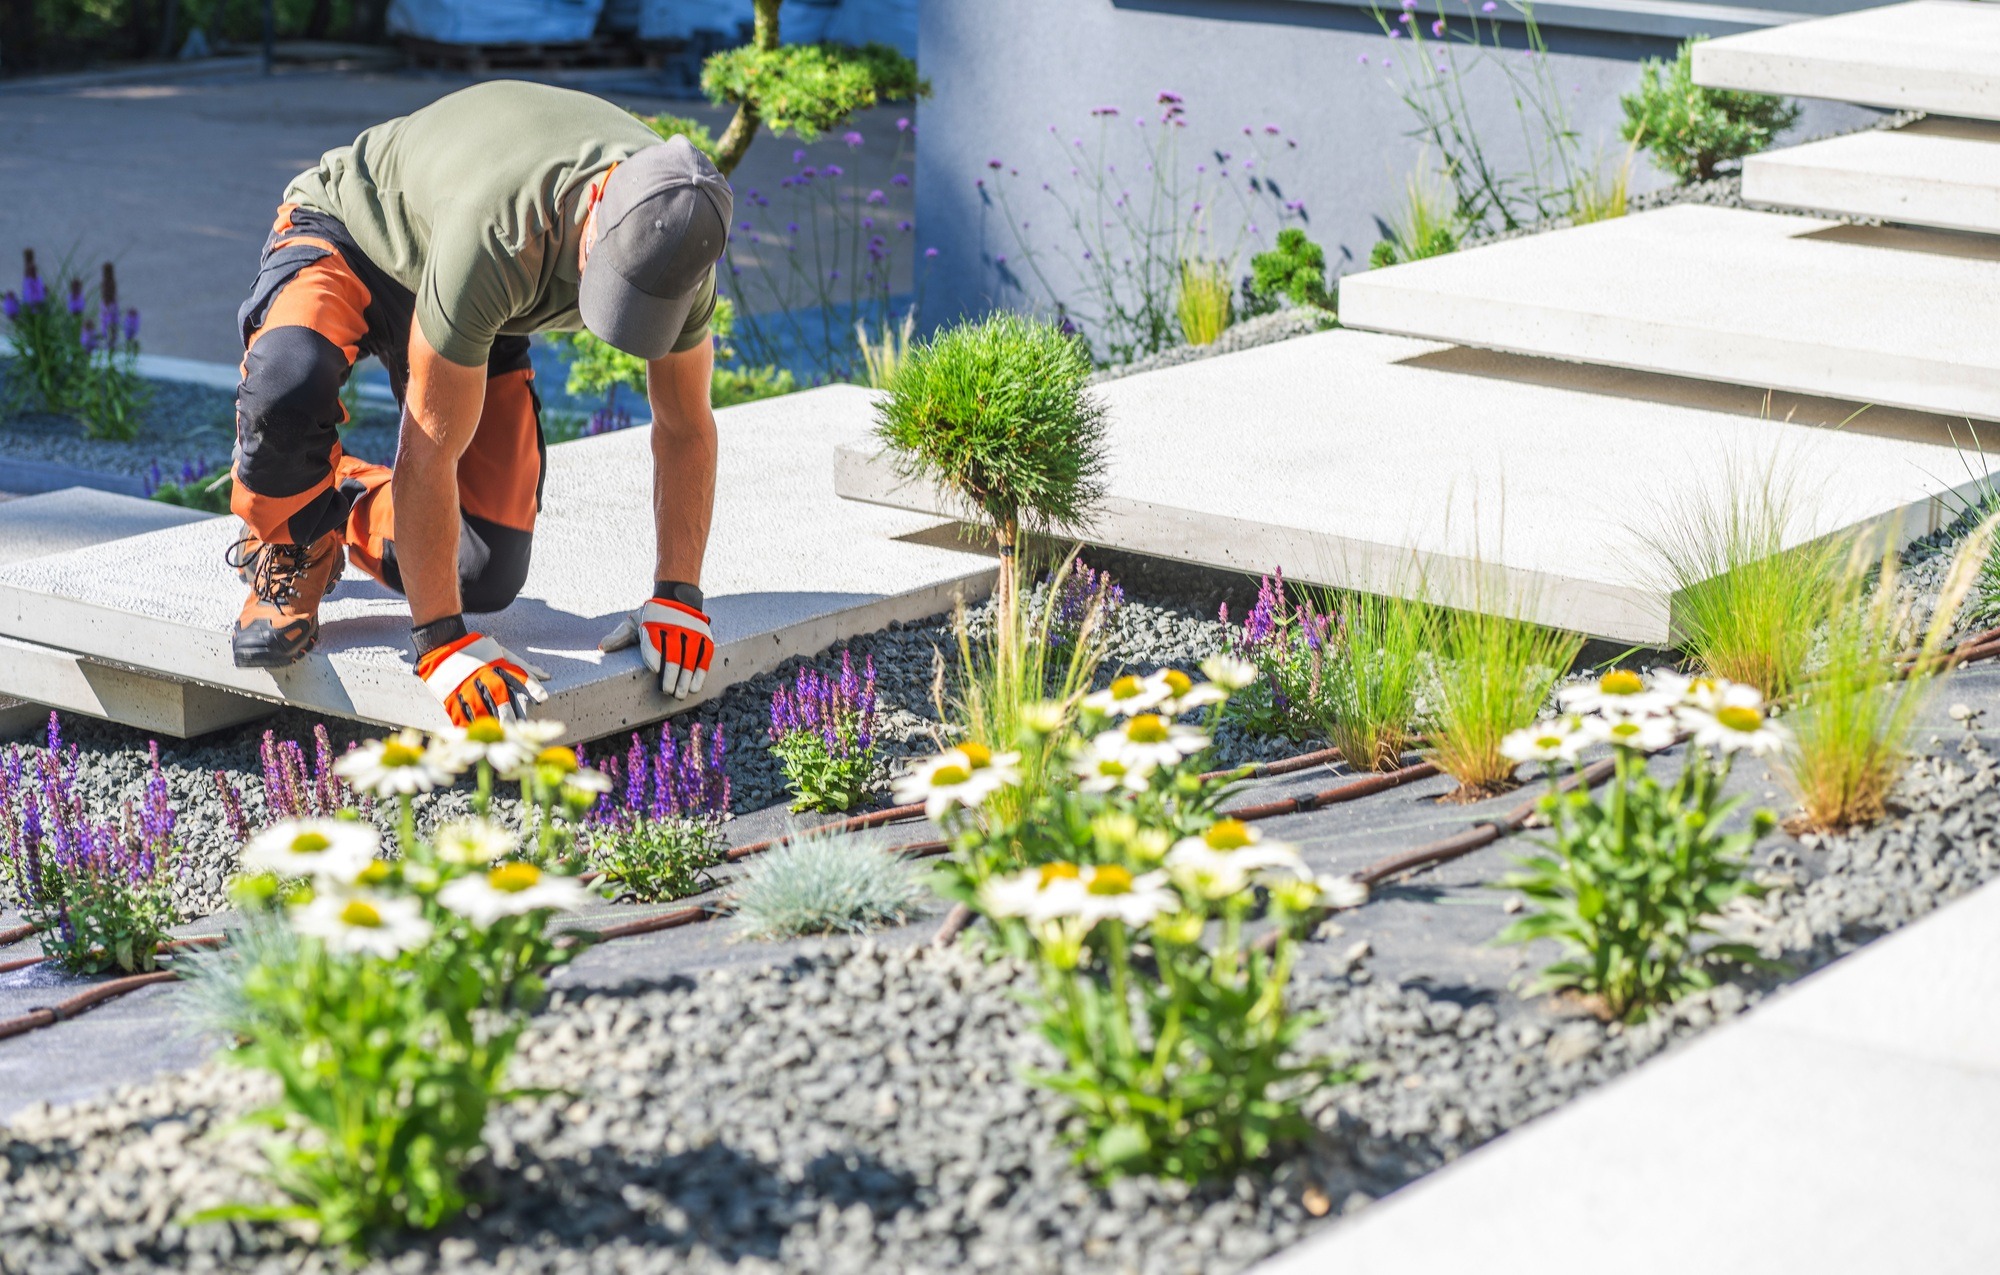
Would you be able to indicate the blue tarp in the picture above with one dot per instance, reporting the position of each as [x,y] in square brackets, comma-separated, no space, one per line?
[799,21]
[496,21]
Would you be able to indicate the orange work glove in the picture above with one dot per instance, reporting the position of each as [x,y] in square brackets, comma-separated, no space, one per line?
[473,676]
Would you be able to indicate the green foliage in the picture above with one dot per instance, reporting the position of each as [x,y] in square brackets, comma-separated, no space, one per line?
[1688,129]
[656,860]
[1285,639]
[1204,301]
[1428,226]
[95,920]
[1295,269]
[882,356]
[825,779]
[1745,606]
[734,385]
[75,352]
[672,126]
[807,89]
[825,882]
[1493,675]
[198,491]
[1180,1064]
[1374,667]
[996,414]
[1860,706]
[1603,193]
[598,367]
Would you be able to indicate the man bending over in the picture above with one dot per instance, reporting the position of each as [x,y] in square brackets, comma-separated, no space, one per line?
[438,242]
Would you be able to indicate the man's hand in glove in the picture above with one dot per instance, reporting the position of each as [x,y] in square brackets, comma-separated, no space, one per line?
[473,676]
[672,634]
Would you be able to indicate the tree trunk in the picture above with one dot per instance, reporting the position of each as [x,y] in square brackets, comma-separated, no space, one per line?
[742,128]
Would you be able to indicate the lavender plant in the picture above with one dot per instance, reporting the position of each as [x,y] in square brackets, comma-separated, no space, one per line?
[70,360]
[656,834]
[99,893]
[823,731]
[195,485]
[1129,208]
[1080,599]
[293,786]
[1287,643]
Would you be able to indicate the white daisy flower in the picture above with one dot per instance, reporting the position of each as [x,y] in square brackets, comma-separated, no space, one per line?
[1618,691]
[1096,772]
[1112,893]
[1734,721]
[398,766]
[364,923]
[556,766]
[512,889]
[963,776]
[337,849]
[1147,741]
[474,843]
[1128,695]
[1555,739]
[1342,893]
[1228,672]
[1036,895]
[1648,733]
[1694,692]
[1226,858]
[1184,694]
[508,747]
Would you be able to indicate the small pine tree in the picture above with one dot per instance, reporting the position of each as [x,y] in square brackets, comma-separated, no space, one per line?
[1690,130]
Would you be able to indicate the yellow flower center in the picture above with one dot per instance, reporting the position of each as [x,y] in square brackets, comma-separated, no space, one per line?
[1147,728]
[977,756]
[310,843]
[1548,741]
[1110,879]
[1110,767]
[1178,682]
[557,758]
[1054,872]
[1737,717]
[397,753]
[361,914]
[1127,687]
[512,878]
[485,730]
[1228,834]
[1625,730]
[374,874]
[1621,681]
[949,776]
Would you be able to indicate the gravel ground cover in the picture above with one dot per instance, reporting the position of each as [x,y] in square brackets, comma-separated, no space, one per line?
[860,1107]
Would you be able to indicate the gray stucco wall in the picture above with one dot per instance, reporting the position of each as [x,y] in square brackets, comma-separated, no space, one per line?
[1004,71]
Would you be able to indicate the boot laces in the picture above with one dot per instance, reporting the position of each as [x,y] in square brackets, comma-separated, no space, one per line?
[277,570]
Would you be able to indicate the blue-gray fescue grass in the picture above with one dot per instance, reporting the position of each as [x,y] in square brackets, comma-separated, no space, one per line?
[259,940]
[824,882]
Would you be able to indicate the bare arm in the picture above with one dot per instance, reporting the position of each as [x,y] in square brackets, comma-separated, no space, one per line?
[440,416]
[684,450]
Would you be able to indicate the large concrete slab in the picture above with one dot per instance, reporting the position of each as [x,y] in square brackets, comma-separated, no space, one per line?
[59,521]
[1893,317]
[1931,55]
[1347,457]
[1849,1126]
[1934,172]
[791,568]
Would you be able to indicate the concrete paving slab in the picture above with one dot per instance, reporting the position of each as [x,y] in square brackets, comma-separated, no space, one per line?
[43,677]
[1932,55]
[1341,456]
[1758,1147]
[1878,315]
[76,517]
[791,569]
[1933,172]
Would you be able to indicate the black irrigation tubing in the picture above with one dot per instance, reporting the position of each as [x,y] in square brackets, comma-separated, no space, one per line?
[17,934]
[1483,833]
[49,1015]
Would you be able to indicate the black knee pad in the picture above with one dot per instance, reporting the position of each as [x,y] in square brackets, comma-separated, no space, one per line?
[492,564]
[288,411]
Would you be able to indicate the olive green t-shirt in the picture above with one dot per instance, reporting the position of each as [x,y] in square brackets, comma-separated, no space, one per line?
[476,204]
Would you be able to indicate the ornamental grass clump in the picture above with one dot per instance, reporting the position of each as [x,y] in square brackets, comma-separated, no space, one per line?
[1206,300]
[1286,641]
[1689,130]
[99,894]
[825,882]
[823,731]
[1373,669]
[1635,875]
[1875,670]
[655,832]
[1136,903]
[390,1010]
[1491,677]
[1745,605]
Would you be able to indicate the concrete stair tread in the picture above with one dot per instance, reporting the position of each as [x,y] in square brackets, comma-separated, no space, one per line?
[1936,171]
[791,569]
[1341,456]
[76,517]
[1879,315]
[1941,56]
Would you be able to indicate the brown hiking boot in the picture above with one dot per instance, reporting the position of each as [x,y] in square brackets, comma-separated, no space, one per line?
[280,620]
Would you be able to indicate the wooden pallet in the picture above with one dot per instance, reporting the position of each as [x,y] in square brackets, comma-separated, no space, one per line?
[480,58]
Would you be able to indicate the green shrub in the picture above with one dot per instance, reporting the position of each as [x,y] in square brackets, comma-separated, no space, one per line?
[995,413]
[1427,226]
[1203,302]
[656,860]
[671,126]
[1295,269]
[1688,129]
[195,487]
[825,882]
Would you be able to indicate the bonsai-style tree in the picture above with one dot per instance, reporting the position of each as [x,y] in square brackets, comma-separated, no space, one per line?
[996,414]
[802,89]
[1689,129]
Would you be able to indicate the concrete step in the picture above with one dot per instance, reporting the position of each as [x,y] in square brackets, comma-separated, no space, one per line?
[76,517]
[1937,171]
[1352,459]
[791,569]
[1941,56]
[1879,315]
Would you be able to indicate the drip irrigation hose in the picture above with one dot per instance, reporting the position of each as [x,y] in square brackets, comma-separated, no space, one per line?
[1483,833]
[17,934]
[49,1015]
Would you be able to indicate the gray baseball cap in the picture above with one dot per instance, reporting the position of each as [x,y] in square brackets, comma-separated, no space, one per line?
[661,226]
